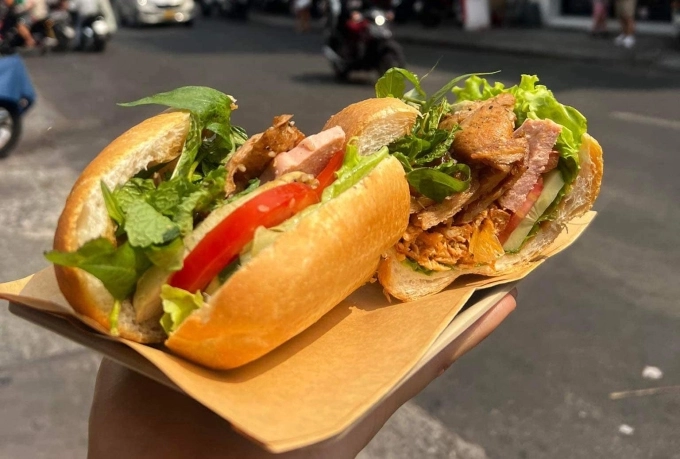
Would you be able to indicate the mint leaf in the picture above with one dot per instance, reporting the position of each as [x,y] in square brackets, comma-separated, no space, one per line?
[112,206]
[117,267]
[134,190]
[145,226]
[393,84]
[210,110]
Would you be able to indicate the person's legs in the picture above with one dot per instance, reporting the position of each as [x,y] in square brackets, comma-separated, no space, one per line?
[625,10]
[304,19]
[599,17]
[25,33]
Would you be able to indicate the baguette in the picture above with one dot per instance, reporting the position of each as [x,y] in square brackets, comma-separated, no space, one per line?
[280,291]
[399,278]
[407,284]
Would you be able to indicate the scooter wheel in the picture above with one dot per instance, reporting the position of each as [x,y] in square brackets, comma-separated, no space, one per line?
[10,124]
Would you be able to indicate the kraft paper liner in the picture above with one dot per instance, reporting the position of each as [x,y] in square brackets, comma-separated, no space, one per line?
[323,381]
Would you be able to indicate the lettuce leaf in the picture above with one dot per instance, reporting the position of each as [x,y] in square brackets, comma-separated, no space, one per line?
[353,169]
[536,102]
[178,304]
[113,317]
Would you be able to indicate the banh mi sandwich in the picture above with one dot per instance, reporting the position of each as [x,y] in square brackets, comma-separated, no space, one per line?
[494,176]
[185,231]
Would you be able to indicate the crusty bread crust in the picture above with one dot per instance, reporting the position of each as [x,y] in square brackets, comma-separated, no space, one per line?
[157,140]
[406,284]
[375,122]
[376,209]
[301,276]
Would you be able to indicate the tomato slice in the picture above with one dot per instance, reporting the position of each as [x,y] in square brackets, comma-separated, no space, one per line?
[327,175]
[223,244]
[522,212]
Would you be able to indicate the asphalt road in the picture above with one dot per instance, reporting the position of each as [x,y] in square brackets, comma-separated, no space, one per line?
[588,321]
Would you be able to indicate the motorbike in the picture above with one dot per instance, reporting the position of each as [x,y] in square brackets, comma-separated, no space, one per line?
[62,26]
[16,97]
[11,40]
[94,33]
[363,42]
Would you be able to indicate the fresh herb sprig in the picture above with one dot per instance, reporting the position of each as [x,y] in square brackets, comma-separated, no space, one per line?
[424,153]
[151,219]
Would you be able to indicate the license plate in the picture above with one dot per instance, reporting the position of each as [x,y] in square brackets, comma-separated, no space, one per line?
[169,14]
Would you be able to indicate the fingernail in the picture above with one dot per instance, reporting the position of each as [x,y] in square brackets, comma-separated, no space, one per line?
[513,292]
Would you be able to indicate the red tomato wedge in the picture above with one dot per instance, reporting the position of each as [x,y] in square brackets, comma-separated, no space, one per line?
[327,175]
[223,244]
[522,212]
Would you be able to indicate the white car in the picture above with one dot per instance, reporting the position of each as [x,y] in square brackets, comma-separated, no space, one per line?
[137,12]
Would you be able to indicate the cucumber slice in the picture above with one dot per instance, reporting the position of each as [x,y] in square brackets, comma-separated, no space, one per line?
[552,184]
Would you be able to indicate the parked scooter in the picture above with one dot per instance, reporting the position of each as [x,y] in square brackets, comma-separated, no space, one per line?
[62,25]
[360,40]
[11,40]
[16,97]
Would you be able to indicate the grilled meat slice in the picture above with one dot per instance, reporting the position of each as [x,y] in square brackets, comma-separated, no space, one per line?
[439,213]
[541,136]
[251,160]
[487,135]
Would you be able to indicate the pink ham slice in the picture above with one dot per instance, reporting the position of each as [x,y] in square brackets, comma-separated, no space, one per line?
[309,156]
[541,136]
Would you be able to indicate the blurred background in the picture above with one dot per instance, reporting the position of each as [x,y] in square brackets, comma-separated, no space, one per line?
[603,317]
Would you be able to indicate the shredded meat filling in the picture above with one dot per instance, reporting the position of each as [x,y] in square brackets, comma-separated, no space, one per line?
[447,245]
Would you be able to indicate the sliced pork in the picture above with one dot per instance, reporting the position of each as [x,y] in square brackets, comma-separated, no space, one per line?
[541,136]
[249,161]
[309,156]
[487,134]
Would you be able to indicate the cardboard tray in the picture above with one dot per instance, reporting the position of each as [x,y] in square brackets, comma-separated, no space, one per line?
[319,384]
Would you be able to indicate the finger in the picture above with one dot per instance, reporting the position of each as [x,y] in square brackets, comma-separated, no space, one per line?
[485,325]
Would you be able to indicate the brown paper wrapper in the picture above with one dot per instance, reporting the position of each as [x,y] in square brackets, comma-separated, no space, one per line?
[320,383]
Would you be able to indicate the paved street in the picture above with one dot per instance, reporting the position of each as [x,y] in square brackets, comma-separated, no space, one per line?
[587,322]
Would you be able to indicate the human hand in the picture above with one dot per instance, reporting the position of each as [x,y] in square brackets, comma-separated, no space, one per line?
[135,417]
